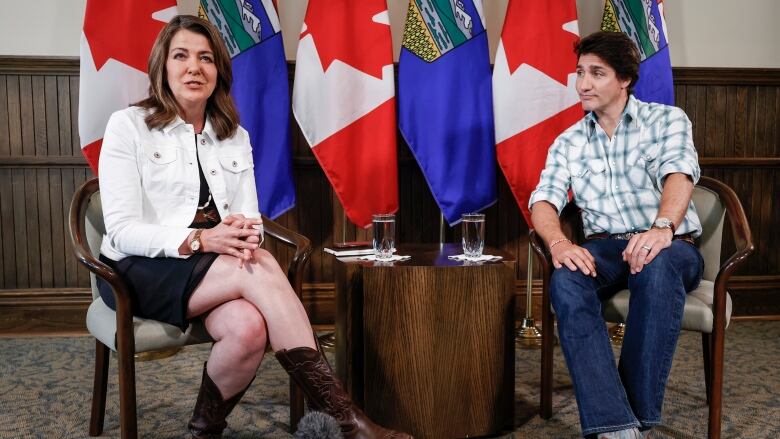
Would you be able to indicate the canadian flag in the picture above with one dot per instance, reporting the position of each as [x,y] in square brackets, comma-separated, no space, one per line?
[115,45]
[344,102]
[534,95]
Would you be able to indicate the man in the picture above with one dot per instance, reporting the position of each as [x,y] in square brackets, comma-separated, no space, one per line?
[631,167]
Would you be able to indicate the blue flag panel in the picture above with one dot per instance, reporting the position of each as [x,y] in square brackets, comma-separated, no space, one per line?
[445,104]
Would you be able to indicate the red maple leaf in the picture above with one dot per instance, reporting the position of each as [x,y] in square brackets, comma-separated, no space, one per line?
[533,35]
[123,30]
[344,30]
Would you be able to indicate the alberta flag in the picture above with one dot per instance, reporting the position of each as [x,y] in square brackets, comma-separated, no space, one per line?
[251,31]
[643,21]
[445,103]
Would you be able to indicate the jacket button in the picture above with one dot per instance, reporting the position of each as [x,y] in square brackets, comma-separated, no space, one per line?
[202,141]
[157,155]
[225,206]
[235,163]
[213,172]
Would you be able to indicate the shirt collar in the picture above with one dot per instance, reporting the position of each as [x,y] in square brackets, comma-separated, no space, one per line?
[208,129]
[629,115]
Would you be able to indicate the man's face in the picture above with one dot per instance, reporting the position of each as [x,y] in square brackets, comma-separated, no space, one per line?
[599,87]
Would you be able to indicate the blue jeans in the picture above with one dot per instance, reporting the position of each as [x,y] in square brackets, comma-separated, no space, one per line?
[609,397]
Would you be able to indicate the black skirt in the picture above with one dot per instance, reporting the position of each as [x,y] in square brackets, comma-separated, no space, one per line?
[160,288]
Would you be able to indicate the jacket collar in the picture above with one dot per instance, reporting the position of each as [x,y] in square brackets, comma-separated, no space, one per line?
[178,123]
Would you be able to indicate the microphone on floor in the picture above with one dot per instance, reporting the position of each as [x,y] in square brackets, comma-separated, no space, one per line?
[318,425]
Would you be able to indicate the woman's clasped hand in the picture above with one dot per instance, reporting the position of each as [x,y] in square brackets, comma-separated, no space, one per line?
[236,236]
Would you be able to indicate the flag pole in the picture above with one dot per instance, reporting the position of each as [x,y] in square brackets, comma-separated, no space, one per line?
[328,340]
[441,230]
[528,335]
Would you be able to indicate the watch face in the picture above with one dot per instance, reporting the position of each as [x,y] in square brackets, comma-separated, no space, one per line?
[663,223]
[195,245]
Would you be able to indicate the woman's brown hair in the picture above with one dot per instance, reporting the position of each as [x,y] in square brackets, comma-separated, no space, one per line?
[220,108]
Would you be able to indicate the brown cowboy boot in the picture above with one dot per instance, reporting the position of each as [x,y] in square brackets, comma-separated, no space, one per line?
[308,368]
[208,417]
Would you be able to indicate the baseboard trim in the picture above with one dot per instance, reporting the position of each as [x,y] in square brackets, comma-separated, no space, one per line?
[63,311]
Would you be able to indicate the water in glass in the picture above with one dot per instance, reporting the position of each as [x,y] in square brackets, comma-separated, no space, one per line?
[384,236]
[473,234]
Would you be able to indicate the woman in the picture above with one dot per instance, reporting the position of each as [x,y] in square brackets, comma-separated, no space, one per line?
[183,229]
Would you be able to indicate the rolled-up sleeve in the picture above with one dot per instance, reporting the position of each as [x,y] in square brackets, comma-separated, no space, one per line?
[555,179]
[677,153]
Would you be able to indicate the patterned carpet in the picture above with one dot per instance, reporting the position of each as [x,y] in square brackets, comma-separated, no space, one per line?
[45,391]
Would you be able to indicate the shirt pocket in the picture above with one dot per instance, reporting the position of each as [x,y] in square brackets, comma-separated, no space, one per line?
[160,155]
[641,168]
[159,171]
[588,179]
[235,162]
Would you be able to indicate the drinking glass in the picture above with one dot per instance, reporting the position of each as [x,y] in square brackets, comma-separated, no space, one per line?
[384,236]
[473,234]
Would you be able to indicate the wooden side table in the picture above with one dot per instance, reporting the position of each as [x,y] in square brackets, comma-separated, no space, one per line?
[426,346]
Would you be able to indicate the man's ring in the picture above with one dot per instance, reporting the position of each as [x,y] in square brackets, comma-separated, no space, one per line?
[647,247]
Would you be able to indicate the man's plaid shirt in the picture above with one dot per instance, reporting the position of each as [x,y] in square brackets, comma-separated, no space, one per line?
[618,182]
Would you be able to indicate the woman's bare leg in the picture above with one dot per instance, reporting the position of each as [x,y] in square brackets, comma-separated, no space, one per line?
[263,284]
[240,337]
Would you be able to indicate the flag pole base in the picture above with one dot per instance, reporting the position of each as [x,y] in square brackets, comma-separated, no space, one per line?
[528,336]
[328,341]
[616,334]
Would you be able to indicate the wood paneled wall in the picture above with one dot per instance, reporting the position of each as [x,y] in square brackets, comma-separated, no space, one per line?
[735,114]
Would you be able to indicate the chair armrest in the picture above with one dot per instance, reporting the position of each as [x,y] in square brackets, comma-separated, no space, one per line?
[76,222]
[572,228]
[542,253]
[303,250]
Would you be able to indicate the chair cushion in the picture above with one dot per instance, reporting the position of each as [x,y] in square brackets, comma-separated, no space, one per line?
[698,308]
[149,335]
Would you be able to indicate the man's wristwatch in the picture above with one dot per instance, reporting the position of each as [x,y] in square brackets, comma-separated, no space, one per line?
[664,223]
[195,244]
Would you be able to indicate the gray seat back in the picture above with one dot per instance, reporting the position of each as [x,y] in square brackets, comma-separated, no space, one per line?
[711,213]
[95,229]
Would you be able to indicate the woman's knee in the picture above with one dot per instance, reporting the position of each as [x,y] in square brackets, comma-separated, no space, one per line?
[247,327]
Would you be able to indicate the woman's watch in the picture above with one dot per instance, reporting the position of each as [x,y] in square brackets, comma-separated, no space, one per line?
[664,223]
[195,243]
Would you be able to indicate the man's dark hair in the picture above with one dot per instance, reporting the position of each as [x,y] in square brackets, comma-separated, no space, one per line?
[617,50]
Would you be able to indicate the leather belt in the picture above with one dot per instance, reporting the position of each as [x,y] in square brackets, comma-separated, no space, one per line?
[688,237]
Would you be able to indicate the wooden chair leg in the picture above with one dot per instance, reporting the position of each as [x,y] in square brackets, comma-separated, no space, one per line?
[545,396]
[127,410]
[99,387]
[706,345]
[296,405]
[716,383]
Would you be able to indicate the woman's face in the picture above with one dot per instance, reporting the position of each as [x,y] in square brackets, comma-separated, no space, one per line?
[192,74]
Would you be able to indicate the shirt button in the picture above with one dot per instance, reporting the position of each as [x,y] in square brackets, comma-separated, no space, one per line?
[235,163]
[613,163]
[202,141]
[616,186]
[213,172]
[225,206]
[157,155]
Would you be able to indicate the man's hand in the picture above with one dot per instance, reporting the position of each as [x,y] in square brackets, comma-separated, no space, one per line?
[573,257]
[644,247]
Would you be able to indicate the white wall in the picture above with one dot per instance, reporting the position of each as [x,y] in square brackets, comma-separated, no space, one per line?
[702,33]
